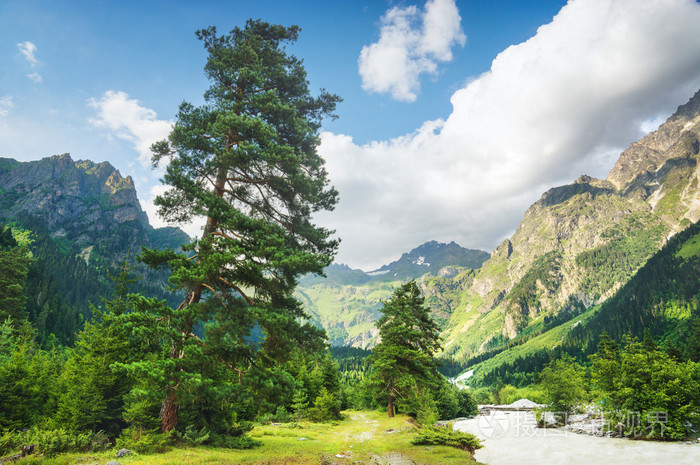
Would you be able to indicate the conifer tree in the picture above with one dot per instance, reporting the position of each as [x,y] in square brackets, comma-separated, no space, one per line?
[246,161]
[404,359]
[14,265]
[93,392]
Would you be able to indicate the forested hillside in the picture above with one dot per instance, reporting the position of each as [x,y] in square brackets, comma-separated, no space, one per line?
[79,221]
[661,301]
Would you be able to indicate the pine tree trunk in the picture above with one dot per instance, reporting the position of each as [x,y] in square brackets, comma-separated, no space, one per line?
[169,408]
[391,399]
[168,412]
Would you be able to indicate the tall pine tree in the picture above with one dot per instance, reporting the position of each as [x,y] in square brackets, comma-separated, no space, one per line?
[246,161]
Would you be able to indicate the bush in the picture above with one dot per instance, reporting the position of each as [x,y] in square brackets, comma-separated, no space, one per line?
[282,416]
[52,442]
[425,408]
[446,401]
[144,441]
[326,407]
[466,401]
[446,436]
[193,437]
[563,384]
[236,439]
[483,396]
[233,442]
[507,394]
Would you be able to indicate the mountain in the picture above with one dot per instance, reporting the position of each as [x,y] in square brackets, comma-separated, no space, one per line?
[346,301]
[80,220]
[430,257]
[79,201]
[661,298]
[580,243]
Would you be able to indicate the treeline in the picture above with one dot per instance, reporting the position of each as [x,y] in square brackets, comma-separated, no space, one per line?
[630,245]
[640,390]
[98,388]
[662,297]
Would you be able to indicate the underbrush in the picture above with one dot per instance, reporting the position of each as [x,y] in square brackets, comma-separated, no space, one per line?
[52,442]
[362,436]
[447,436]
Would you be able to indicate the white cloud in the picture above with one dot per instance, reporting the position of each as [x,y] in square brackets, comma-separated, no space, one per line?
[6,103]
[552,108]
[28,49]
[410,43]
[130,121]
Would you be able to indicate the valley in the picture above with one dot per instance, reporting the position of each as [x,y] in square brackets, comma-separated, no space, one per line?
[245,331]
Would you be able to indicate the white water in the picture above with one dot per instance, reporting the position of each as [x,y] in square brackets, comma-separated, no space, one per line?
[511,438]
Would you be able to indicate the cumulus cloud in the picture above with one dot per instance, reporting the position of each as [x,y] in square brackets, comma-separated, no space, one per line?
[561,104]
[411,43]
[6,103]
[28,49]
[127,119]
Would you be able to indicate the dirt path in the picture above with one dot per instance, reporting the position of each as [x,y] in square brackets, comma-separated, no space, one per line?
[366,435]
[392,458]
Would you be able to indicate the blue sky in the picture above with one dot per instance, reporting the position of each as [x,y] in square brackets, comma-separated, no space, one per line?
[456,115]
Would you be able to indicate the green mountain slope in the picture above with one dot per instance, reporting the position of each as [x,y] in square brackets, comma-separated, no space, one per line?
[346,302]
[663,297]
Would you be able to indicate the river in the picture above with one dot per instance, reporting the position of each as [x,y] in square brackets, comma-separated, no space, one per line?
[511,438]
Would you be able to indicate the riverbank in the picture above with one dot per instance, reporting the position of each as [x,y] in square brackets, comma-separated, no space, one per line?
[511,437]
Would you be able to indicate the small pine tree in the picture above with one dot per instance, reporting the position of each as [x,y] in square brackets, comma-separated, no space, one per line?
[92,396]
[403,362]
[300,404]
[692,351]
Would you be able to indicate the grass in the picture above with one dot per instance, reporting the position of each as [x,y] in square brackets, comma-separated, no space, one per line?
[690,249]
[547,340]
[360,438]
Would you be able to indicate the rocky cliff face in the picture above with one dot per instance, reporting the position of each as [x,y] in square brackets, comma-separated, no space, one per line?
[579,243]
[77,199]
[90,206]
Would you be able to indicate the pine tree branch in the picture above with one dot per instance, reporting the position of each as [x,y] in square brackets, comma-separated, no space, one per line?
[237,289]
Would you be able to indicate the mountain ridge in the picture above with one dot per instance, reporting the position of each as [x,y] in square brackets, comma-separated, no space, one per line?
[579,243]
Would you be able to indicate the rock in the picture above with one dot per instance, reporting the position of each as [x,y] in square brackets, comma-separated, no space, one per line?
[123,453]
[29,449]
[524,404]
[113,462]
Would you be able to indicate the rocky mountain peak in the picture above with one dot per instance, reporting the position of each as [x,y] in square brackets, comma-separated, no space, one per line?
[649,154]
[70,195]
[581,242]
[430,257]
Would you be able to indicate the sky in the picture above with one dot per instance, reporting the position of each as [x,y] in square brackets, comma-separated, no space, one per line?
[456,115]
